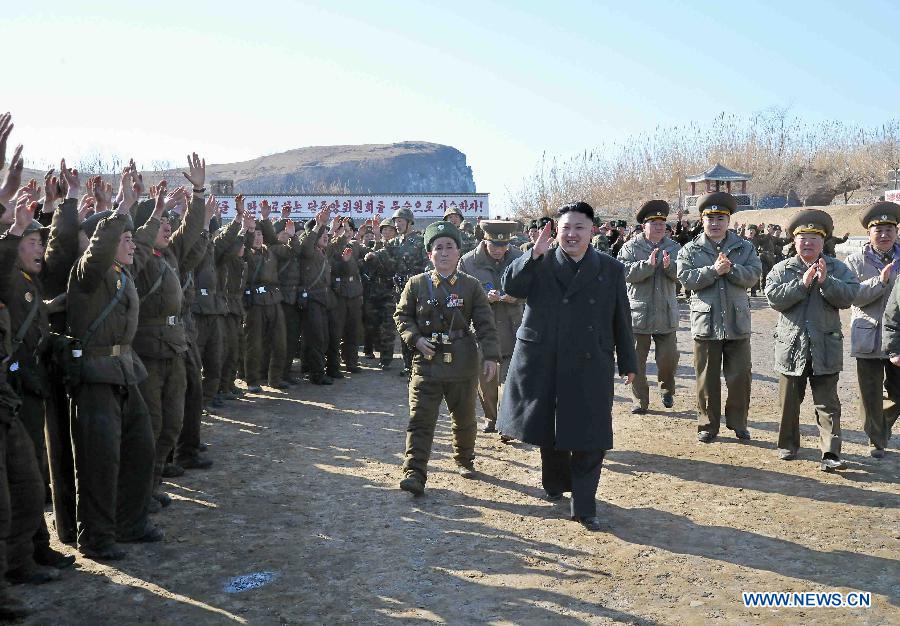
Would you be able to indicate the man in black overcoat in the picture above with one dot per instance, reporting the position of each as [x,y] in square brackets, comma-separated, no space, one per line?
[560,382]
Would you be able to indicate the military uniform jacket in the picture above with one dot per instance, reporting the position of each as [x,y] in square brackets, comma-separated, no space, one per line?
[262,282]
[720,306]
[161,332]
[21,292]
[431,304]
[809,327]
[651,289]
[209,293]
[234,277]
[559,389]
[507,315]
[345,276]
[93,282]
[868,309]
[315,273]
[9,399]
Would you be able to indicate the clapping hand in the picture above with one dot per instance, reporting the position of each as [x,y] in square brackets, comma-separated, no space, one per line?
[652,259]
[722,265]
[667,260]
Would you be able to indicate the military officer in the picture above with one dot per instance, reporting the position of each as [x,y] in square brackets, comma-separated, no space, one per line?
[487,263]
[651,276]
[455,217]
[808,290]
[433,317]
[378,276]
[718,266]
[876,269]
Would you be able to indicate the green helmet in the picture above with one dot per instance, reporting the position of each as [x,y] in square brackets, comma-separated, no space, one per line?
[406,214]
[386,224]
[453,211]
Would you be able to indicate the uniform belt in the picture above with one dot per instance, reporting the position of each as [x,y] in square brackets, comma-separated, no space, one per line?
[106,350]
[172,320]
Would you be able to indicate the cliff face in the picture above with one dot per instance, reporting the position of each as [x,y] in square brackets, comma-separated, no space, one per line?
[410,167]
[405,167]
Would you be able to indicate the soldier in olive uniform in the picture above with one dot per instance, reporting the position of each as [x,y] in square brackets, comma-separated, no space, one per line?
[319,355]
[487,263]
[407,250]
[347,285]
[808,291]
[378,277]
[718,266]
[433,317]
[533,232]
[455,217]
[876,267]
[112,435]
[651,276]
[233,280]
[264,320]
[161,340]
[289,285]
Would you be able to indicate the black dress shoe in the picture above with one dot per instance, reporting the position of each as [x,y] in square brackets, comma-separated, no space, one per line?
[172,470]
[195,462]
[278,385]
[202,446]
[552,497]
[164,499]
[742,434]
[590,523]
[45,555]
[369,355]
[335,374]
[109,553]
[704,436]
[489,428]
[354,369]
[668,400]
[32,575]
[254,388]
[321,380]
[216,402]
[413,483]
[385,366]
[832,463]
[151,535]
[638,410]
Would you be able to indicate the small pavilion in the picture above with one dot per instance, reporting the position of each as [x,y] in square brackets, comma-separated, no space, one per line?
[720,178]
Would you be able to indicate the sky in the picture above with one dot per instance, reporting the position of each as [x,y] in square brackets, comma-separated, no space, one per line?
[504,82]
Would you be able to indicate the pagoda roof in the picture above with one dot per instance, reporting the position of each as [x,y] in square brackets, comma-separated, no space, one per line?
[718,172]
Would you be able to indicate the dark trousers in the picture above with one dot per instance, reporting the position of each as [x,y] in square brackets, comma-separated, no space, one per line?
[348,324]
[666,364]
[791,391]
[425,396]
[316,339]
[577,471]
[231,354]
[113,443]
[209,346]
[32,417]
[264,334]
[163,393]
[292,322]
[711,358]
[188,445]
[21,495]
[877,378]
[62,463]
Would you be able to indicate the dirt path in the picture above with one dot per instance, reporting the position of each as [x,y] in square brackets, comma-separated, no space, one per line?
[305,487]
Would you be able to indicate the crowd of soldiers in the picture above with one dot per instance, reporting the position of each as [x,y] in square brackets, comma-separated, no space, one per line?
[117,304]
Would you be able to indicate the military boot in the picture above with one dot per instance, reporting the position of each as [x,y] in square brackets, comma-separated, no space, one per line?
[413,483]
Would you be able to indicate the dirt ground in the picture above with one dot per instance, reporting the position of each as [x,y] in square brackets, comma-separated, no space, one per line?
[305,487]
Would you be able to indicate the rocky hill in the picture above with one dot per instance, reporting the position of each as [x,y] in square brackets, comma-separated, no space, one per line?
[405,167]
